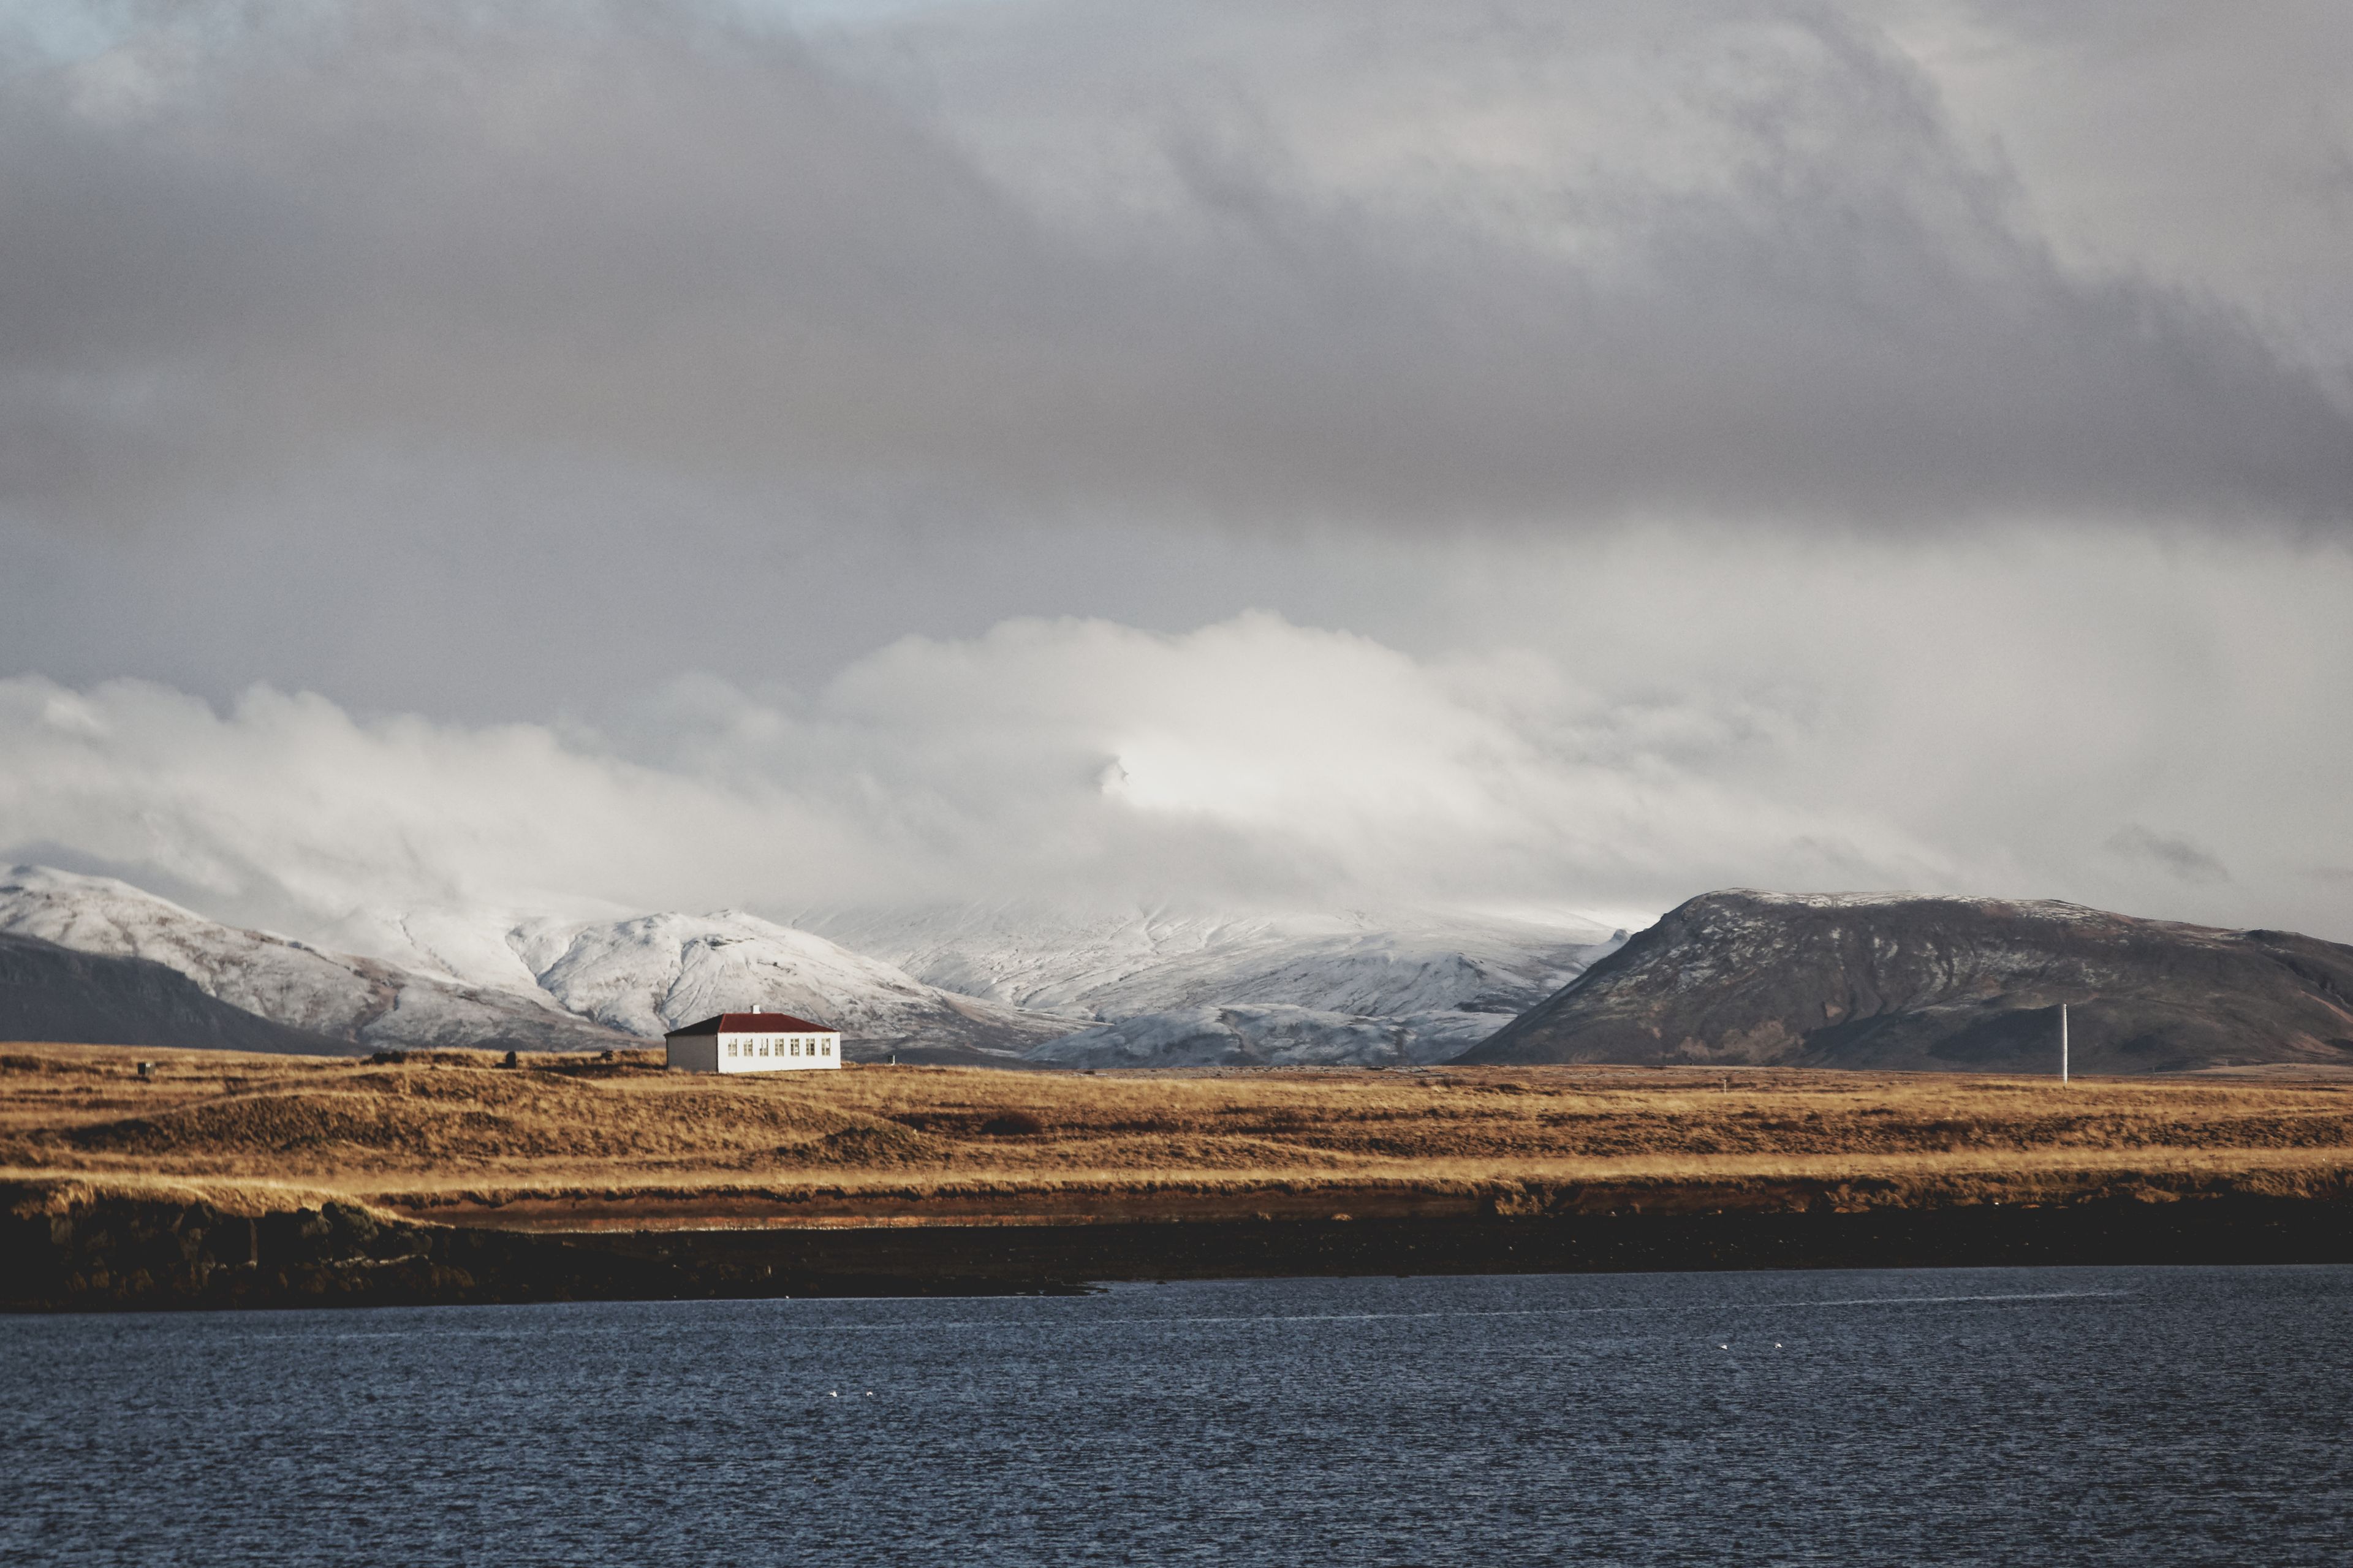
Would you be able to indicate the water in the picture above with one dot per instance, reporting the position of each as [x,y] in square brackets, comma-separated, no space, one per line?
[2129,1415]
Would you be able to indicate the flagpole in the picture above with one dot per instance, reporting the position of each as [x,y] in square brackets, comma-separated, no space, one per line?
[2062,1042]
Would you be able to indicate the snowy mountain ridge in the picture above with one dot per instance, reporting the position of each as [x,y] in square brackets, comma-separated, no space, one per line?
[366,1001]
[656,972]
[533,983]
[1123,963]
[978,984]
[1159,987]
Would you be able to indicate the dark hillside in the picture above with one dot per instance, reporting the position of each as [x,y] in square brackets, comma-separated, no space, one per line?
[1955,984]
[52,993]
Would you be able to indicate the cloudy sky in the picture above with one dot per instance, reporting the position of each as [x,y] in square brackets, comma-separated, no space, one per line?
[1286,454]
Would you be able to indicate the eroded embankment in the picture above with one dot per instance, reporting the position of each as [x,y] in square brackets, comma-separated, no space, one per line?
[99,1250]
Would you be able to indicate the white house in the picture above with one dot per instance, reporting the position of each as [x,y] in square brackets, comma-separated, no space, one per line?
[753,1042]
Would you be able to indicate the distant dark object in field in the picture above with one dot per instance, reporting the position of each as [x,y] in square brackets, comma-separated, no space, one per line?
[1942,983]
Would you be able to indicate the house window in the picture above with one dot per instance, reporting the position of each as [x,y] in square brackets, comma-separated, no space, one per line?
[730,1048]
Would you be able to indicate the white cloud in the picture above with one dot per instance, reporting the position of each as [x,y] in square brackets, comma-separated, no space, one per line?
[2208,148]
[1249,761]
[1254,762]
[286,806]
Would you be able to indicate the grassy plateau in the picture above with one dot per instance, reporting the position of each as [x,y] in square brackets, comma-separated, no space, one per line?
[580,1142]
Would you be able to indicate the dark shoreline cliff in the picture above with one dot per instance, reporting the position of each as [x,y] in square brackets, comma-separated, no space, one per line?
[132,1254]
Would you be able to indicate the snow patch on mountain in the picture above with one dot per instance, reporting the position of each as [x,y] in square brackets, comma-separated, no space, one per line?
[1269,1035]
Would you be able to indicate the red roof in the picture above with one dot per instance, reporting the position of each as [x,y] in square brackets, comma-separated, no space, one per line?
[754,1023]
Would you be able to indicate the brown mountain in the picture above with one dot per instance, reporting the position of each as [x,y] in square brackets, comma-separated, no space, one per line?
[1954,985]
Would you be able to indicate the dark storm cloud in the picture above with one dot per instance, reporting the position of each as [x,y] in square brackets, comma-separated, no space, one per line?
[254,243]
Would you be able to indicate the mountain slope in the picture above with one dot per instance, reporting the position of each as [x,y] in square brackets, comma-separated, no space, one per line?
[1358,987]
[656,972]
[51,992]
[996,980]
[530,983]
[356,1000]
[1957,985]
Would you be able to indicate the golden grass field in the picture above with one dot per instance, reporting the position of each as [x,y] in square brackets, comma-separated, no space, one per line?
[571,1140]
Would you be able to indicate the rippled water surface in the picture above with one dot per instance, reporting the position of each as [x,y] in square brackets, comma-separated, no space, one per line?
[1995,1416]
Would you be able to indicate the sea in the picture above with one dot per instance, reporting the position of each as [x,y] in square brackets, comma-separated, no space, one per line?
[1996,1416]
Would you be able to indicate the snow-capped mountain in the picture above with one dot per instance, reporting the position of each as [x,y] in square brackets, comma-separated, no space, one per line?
[657,972]
[452,977]
[1363,987]
[364,1001]
[987,983]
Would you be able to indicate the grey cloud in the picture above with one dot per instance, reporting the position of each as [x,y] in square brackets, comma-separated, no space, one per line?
[250,246]
[2172,852]
[2211,146]
[503,363]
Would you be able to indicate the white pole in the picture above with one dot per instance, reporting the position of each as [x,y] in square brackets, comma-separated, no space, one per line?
[2062,1042]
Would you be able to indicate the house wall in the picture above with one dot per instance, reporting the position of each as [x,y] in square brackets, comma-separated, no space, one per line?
[694,1053]
[818,1051]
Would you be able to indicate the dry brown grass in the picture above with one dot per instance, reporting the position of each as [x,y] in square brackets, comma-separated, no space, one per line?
[575,1140]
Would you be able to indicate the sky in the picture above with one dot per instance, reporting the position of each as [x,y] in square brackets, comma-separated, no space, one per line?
[1300,456]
